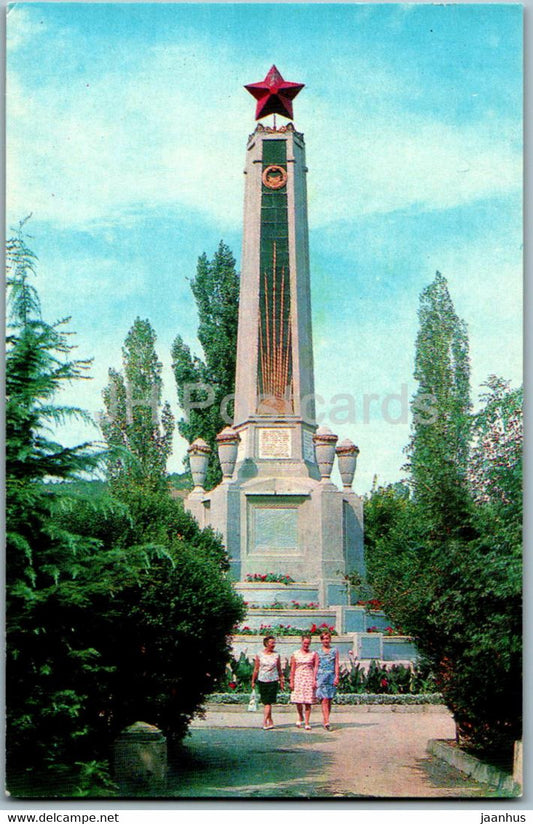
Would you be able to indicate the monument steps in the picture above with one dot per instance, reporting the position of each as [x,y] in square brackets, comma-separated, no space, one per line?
[266,593]
[358,632]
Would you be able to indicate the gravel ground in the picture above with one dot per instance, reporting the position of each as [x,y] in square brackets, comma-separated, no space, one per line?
[370,752]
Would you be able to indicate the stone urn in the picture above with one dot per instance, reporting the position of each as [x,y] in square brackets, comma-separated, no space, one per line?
[199,452]
[228,444]
[325,441]
[347,453]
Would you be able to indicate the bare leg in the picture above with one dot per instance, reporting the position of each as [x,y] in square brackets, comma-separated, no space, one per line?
[267,715]
[299,710]
[307,715]
[326,709]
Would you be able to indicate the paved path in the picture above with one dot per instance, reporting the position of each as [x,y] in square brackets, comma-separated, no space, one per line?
[370,752]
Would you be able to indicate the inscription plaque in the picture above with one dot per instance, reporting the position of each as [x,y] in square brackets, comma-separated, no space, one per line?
[275,529]
[274,443]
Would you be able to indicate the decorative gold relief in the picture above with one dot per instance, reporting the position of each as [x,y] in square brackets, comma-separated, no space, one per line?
[274,177]
[275,344]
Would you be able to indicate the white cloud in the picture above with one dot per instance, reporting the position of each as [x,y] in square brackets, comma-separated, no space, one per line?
[386,166]
[22,27]
[97,147]
[94,149]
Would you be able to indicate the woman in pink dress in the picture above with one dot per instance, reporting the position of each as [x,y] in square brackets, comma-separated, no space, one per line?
[302,681]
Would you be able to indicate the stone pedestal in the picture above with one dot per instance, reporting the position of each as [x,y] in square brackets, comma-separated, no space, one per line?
[140,760]
[295,526]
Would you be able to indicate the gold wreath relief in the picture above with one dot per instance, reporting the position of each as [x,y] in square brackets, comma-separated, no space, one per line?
[274,177]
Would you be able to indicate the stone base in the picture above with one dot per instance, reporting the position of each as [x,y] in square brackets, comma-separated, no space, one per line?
[361,648]
[287,525]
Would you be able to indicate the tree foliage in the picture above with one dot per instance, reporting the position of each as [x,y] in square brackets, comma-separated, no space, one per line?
[38,554]
[445,559]
[495,468]
[163,618]
[134,425]
[118,610]
[438,448]
[205,387]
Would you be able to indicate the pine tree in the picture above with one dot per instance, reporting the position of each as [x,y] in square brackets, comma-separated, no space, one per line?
[438,448]
[116,610]
[37,367]
[139,435]
[42,561]
[216,292]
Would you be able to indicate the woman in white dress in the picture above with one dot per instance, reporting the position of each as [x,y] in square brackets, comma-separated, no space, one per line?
[303,681]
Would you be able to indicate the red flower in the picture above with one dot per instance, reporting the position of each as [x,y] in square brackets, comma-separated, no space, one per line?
[384,682]
[232,685]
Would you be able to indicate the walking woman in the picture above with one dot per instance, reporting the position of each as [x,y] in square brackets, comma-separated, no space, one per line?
[267,672]
[302,681]
[326,675]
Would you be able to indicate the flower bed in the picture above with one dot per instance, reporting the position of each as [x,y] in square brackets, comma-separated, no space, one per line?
[371,605]
[281,605]
[286,629]
[395,680]
[269,578]
[388,631]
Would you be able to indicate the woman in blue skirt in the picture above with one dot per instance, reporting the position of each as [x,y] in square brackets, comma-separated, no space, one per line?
[326,675]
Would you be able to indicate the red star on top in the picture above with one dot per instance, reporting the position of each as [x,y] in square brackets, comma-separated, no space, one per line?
[274,95]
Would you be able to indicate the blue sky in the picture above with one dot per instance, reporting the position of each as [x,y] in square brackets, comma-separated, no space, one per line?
[127,127]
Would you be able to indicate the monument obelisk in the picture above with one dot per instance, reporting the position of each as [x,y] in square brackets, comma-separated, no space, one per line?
[276,508]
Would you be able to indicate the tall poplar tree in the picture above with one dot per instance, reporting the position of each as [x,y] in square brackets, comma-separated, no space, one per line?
[135,426]
[205,386]
[441,406]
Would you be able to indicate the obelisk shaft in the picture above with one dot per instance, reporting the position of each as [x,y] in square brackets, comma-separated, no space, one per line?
[274,377]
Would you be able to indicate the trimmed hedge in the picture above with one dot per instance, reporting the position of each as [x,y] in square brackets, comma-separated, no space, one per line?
[347,699]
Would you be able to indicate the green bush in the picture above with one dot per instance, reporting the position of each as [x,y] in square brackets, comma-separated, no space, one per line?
[164,622]
[116,610]
[393,679]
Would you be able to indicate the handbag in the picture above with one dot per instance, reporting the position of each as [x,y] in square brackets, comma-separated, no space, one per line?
[252,703]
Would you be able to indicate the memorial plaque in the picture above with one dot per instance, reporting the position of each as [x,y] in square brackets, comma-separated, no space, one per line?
[275,528]
[274,443]
[308,447]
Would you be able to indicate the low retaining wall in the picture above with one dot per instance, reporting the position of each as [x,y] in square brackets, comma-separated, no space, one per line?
[366,647]
[256,592]
[449,752]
